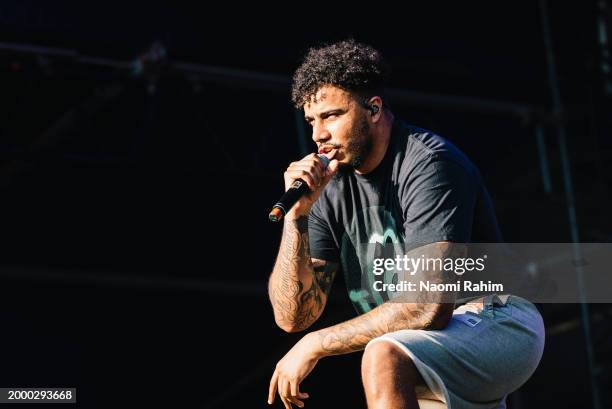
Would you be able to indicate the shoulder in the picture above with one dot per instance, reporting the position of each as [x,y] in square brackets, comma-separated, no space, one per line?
[424,148]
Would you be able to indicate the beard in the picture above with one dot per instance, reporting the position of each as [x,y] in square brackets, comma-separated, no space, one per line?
[360,145]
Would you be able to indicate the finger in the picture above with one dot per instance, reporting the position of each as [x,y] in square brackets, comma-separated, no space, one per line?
[285,388]
[308,158]
[273,385]
[319,162]
[295,388]
[286,402]
[318,167]
[333,167]
[331,170]
[311,167]
[296,402]
[295,392]
[300,174]
[312,160]
[298,393]
[283,391]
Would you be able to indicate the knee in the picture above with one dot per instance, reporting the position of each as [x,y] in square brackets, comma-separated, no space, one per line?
[383,362]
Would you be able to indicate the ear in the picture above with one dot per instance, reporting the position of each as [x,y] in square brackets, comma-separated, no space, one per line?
[375,105]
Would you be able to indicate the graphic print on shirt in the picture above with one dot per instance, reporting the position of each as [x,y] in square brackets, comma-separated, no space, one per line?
[374,233]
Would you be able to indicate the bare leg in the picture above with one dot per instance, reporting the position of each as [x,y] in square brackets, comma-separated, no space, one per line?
[389,377]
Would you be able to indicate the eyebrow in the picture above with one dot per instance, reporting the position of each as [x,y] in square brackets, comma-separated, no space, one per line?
[327,113]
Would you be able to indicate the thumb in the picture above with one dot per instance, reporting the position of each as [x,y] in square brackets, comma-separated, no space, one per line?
[332,169]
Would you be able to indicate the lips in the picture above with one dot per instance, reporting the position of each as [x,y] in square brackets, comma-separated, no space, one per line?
[326,149]
[330,153]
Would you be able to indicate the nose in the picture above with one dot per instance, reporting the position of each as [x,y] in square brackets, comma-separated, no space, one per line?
[320,133]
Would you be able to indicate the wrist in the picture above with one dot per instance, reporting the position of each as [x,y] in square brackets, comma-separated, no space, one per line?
[296,214]
[313,340]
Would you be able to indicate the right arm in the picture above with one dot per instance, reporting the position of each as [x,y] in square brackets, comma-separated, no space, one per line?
[299,285]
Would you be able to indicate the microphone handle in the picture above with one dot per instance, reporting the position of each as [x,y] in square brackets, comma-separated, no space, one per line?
[287,200]
[292,195]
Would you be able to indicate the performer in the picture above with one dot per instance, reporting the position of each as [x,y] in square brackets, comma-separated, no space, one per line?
[389,183]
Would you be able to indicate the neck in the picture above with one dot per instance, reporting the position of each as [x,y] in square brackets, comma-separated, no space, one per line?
[380,142]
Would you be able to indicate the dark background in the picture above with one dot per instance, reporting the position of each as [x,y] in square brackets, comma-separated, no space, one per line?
[134,241]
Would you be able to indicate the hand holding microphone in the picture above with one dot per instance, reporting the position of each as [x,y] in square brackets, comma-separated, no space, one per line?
[304,181]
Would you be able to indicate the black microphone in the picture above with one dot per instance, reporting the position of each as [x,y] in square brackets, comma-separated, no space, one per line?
[292,195]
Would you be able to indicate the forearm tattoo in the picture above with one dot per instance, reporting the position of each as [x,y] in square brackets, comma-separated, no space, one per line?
[431,311]
[298,287]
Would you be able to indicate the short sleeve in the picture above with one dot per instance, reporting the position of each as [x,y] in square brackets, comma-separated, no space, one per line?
[438,198]
[322,244]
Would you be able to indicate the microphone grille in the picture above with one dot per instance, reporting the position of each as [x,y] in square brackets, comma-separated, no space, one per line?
[324,159]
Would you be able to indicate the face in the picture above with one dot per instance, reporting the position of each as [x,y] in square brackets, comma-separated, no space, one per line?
[339,121]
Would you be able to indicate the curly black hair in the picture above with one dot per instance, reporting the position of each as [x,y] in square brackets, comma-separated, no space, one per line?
[347,64]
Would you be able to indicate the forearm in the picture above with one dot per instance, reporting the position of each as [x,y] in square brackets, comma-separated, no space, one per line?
[354,335]
[429,310]
[295,296]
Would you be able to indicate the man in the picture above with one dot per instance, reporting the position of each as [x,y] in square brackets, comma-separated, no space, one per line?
[392,184]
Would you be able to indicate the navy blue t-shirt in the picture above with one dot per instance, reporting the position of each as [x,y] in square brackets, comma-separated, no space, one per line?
[425,190]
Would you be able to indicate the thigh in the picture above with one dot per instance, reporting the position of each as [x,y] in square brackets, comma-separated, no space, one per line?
[481,361]
[382,353]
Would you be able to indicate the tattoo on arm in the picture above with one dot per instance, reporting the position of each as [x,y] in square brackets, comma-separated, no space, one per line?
[298,286]
[431,311]
[354,335]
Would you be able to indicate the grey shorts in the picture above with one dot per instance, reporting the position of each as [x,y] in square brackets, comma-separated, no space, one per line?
[481,356]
